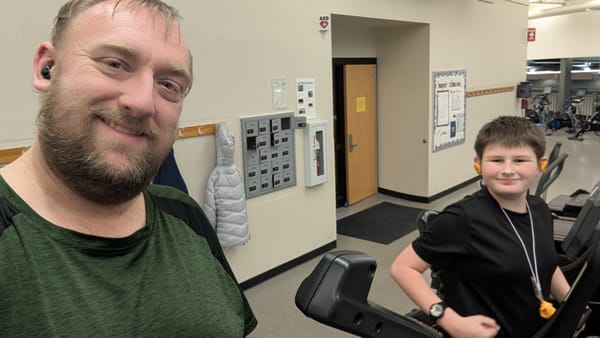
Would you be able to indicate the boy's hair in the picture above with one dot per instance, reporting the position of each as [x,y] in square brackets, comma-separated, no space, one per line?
[511,131]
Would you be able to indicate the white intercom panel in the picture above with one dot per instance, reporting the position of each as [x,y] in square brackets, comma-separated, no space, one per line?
[316,164]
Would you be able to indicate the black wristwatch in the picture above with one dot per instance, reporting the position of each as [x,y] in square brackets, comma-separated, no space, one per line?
[436,311]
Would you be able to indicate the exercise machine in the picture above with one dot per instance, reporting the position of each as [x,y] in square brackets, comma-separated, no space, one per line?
[336,291]
[555,167]
[568,206]
[336,294]
[592,123]
[540,103]
[568,117]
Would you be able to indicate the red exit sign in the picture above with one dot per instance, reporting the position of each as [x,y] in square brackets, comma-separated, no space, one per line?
[530,34]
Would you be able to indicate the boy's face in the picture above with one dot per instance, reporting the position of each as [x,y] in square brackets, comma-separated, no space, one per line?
[509,172]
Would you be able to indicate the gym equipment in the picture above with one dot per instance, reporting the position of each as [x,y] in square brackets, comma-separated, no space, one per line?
[592,123]
[335,294]
[569,206]
[540,103]
[336,291]
[579,235]
[568,117]
[554,152]
[550,175]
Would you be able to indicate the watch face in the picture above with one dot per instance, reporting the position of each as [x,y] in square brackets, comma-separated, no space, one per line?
[436,310]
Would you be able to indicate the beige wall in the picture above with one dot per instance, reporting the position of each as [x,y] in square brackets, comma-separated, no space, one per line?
[240,46]
[414,39]
[565,36]
[490,45]
[403,103]
[351,37]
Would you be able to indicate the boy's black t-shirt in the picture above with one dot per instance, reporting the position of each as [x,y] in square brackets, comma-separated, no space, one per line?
[484,267]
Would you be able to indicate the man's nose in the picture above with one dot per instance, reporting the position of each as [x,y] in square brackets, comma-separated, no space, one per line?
[138,96]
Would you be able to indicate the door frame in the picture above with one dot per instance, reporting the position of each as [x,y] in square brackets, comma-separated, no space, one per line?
[339,119]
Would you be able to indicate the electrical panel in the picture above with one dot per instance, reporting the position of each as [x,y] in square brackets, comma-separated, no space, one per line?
[269,153]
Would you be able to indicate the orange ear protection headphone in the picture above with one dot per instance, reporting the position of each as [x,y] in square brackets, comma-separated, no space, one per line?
[477,167]
[543,166]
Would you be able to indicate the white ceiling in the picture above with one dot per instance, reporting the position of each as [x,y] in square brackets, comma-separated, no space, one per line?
[542,8]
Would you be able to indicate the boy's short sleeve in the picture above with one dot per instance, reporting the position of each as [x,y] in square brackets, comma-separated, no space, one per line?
[445,236]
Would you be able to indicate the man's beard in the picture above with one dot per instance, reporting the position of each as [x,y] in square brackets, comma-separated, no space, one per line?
[77,157]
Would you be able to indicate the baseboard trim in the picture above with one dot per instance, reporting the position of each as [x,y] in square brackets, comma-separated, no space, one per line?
[287,266]
[422,199]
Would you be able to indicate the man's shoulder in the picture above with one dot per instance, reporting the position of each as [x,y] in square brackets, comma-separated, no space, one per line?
[171,193]
[181,205]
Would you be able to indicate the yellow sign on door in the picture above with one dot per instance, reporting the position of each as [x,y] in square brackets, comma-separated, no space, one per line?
[361,104]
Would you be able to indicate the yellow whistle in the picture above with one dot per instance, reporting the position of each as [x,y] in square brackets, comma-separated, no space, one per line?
[546,309]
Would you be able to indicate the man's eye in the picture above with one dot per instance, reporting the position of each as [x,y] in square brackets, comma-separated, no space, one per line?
[114,64]
[172,90]
[169,85]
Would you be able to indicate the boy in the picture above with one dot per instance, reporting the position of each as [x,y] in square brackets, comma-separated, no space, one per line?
[495,247]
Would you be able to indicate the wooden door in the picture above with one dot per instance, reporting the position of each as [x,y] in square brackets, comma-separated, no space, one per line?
[361,131]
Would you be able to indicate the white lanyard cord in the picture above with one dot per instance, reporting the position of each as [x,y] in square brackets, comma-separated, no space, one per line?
[533,269]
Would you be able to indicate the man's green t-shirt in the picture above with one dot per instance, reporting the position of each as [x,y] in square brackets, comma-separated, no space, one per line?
[163,280]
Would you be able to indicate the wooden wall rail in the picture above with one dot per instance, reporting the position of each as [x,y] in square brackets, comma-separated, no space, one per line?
[193,131]
[11,154]
[490,91]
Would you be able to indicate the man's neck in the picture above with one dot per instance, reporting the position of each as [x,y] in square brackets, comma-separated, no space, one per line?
[31,178]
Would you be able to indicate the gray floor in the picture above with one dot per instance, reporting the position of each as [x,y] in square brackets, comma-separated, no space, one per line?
[273,300]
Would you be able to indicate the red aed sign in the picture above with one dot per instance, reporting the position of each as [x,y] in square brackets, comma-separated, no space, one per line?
[530,34]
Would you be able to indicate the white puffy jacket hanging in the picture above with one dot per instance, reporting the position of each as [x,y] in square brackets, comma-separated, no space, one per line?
[225,200]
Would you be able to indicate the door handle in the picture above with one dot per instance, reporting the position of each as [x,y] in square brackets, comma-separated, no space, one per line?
[350,144]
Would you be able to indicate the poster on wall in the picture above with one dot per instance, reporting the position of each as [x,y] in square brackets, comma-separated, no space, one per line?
[305,93]
[449,108]
[279,87]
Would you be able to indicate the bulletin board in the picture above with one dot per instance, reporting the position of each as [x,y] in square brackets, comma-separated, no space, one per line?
[449,108]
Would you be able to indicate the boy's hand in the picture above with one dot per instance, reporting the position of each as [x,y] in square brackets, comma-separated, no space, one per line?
[477,326]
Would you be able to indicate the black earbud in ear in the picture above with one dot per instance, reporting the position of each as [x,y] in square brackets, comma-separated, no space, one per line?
[46,72]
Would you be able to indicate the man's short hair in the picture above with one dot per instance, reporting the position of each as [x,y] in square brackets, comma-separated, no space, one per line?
[73,8]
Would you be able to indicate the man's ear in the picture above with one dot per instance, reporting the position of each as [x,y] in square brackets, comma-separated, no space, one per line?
[477,165]
[43,61]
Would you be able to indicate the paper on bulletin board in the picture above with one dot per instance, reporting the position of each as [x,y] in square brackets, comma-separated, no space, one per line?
[361,104]
[443,112]
[449,108]
[305,95]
